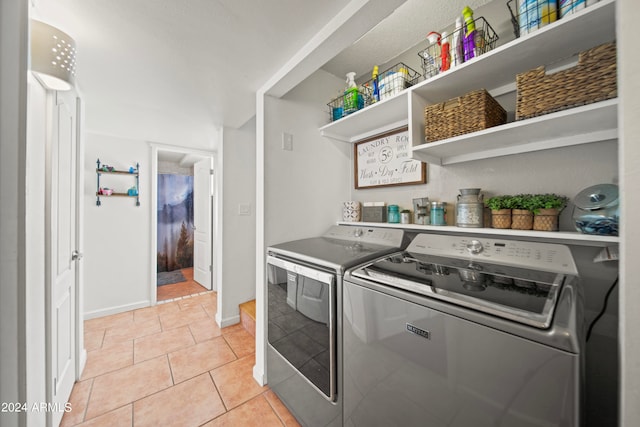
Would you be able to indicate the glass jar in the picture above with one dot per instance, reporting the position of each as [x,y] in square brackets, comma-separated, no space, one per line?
[393,214]
[438,211]
[596,210]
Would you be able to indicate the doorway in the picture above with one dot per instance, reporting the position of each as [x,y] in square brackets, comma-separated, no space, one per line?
[182,256]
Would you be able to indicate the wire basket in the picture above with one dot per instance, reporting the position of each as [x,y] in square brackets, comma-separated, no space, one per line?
[337,108]
[432,56]
[392,81]
[530,15]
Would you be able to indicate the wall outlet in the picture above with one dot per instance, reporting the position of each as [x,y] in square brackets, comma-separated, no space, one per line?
[287,141]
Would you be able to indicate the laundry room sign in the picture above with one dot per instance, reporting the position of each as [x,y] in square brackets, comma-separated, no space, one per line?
[385,160]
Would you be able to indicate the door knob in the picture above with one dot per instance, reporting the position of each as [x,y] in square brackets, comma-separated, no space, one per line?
[76,256]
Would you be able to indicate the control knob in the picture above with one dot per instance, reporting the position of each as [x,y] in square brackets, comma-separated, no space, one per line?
[474,247]
[357,232]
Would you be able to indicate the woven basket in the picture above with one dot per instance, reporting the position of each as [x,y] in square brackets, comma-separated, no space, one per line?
[501,218]
[593,79]
[472,112]
[521,219]
[546,220]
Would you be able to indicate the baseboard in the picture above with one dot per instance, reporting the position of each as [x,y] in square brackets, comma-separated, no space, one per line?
[82,363]
[258,375]
[228,321]
[115,310]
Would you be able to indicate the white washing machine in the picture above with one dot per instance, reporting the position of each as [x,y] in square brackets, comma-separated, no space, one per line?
[461,332]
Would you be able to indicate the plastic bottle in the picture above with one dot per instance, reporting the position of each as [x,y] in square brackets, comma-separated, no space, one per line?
[469,40]
[432,55]
[457,54]
[567,7]
[351,94]
[534,14]
[445,55]
[376,89]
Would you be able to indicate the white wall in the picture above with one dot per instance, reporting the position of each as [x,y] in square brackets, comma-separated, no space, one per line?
[564,171]
[237,256]
[117,233]
[305,187]
[13,113]
[629,90]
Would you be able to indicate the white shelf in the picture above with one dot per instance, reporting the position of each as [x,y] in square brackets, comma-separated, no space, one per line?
[580,125]
[495,71]
[391,113]
[564,237]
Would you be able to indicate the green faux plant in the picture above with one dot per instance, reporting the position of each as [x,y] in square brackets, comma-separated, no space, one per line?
[546,201]
[521,201]
[497,203]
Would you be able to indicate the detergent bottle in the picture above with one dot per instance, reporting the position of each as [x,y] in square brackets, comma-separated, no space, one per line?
[469,38]
[351,94]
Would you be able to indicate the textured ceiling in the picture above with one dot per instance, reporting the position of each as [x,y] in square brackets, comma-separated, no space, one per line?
[406,27]
[152,64]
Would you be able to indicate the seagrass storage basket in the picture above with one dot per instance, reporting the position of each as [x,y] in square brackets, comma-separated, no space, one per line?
[477,110]
[593,79]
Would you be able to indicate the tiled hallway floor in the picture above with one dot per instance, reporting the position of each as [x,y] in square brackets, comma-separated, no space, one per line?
[170,365]
[180,289]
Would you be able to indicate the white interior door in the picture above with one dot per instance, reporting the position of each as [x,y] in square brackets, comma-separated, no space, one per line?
[61,204]
[202,223]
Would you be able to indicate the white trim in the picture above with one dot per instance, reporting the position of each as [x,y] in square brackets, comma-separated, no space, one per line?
[115,310]
[155,148]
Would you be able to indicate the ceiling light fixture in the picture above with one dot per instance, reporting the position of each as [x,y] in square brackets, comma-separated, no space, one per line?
[53,56]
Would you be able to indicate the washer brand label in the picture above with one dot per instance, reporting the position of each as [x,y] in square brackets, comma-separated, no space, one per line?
[418,331]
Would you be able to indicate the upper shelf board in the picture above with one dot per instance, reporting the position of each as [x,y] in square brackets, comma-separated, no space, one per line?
[579,125]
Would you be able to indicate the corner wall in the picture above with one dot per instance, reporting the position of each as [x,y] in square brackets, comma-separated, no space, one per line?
[238,217]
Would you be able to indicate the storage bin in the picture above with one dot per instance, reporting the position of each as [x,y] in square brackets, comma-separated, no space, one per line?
[472,112]
[393,80]
[593,79]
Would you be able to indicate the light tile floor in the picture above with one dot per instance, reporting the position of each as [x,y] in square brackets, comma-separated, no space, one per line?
[180,289]
[171,365]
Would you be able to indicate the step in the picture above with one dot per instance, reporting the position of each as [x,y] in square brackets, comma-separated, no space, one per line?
[248,316]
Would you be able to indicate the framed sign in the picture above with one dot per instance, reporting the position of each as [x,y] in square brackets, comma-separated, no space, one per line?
[385,160]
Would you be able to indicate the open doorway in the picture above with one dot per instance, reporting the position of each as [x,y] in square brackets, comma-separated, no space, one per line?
[183,218]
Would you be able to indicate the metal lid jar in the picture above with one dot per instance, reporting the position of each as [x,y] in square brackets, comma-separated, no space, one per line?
[438,211]
[393,214]
[597,210]
[470,208]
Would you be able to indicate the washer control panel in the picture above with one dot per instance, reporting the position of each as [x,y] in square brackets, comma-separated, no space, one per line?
[374,235]
[534,255]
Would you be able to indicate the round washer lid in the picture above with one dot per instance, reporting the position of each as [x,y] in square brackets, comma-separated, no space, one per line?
[597,197]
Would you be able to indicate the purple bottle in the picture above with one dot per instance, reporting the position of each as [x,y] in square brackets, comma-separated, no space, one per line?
[468,40]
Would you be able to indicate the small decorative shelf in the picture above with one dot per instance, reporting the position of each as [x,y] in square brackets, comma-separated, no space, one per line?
[108,170]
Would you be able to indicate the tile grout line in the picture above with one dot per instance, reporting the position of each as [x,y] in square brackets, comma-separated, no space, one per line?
[272,408]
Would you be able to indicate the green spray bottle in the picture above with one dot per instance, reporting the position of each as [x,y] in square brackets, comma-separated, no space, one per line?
[351,94]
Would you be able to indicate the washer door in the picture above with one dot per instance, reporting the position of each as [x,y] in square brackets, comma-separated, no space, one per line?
[301,321]
[409,365]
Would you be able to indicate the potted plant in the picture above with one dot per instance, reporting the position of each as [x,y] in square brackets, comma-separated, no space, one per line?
[500,211]
[521,212]
[546,209]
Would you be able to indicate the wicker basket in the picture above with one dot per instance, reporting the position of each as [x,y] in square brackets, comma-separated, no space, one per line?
[521,219]
[593,79]
[546,220]
[472,112]
[501,218]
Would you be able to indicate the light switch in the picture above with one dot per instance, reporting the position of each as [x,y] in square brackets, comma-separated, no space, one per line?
[287,141]
[244,209]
